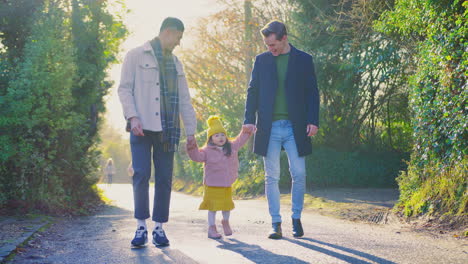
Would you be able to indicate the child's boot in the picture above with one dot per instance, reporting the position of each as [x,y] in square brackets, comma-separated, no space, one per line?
[213,233]
[226,227]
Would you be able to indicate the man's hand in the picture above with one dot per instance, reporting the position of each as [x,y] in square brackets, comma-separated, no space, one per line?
[191,139]
[249,128]
[191,142]
[311,130]
[136,126]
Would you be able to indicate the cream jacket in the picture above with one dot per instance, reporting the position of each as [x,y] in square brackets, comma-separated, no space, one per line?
[139,90]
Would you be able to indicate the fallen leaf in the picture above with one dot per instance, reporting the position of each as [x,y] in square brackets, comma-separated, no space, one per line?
[20,250]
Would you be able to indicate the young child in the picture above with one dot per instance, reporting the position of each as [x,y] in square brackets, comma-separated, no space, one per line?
[220,172]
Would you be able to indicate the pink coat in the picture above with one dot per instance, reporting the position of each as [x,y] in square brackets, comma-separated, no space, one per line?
[219,169]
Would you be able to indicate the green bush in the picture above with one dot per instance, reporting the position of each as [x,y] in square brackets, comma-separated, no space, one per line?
[444,191]
[50,101]
[327,167]
[436,33]
[39,90]
[251,181]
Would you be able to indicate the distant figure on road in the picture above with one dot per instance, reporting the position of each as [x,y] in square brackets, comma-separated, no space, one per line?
[283,105]
[154,95]
[109,170]
[220,172]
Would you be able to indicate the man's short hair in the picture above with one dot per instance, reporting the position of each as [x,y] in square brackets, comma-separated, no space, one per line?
[274,27]
[172,22]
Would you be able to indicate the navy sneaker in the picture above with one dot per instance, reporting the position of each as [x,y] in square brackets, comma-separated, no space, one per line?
[141,237]
[160,238]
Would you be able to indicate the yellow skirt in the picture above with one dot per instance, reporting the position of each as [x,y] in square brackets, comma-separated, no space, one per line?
[217,199]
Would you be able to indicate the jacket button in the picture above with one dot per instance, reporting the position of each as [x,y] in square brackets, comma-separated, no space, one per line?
[157,98]
[157,84]
[157,113]
[146,65]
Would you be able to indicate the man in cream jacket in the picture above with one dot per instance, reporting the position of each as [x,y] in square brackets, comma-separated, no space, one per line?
[154,95]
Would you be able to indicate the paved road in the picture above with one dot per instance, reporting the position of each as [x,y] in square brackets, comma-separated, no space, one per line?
[105,238]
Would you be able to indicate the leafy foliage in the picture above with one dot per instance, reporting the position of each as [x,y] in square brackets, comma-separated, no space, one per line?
[217,65]
[15,26]
[360,72]
[437,31]
[40,89]
[50,156]
[329,167]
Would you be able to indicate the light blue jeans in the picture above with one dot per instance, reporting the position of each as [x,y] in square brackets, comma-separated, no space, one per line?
[282,136]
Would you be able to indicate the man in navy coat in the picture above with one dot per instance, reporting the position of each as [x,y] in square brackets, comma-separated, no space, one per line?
[283,106]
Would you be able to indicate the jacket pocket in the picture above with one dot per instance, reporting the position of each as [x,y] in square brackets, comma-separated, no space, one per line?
[149,71]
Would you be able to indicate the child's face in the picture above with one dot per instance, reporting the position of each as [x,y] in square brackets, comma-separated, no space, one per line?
[219,139]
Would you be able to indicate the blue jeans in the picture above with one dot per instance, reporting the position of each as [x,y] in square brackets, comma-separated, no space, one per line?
[163,164]
[282,136]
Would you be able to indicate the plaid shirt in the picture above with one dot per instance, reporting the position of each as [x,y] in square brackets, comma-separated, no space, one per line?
[169,97]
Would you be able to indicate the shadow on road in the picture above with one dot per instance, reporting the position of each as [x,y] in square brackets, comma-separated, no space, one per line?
[337,255]
[255,253]
[177,256]
[144,255]
[141,255]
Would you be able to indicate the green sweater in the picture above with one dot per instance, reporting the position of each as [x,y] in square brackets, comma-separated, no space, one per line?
[280,110]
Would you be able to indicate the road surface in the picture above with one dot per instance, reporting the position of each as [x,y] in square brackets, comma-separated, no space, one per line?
[105,238]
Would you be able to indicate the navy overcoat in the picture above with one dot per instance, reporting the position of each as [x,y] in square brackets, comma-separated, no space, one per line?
[301,95]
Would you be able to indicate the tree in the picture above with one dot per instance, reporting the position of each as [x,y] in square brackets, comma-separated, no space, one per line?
[51,97]
[436,30]
[39,90]
[15,25]
[359,70]
[218,65]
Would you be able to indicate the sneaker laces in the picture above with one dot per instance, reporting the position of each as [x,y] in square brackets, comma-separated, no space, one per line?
[159,232]
[139,233]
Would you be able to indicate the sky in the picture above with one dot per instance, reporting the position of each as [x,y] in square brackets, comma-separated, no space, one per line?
[143,22]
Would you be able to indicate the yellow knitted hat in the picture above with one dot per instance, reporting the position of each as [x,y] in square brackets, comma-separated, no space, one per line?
[215,126]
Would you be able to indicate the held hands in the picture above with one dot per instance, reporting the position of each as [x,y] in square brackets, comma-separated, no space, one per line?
[311,130]
[249,128]
[191,138]
[191,142]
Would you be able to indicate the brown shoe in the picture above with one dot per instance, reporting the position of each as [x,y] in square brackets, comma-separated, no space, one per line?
[213,233]
[276,232]
[227,229]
